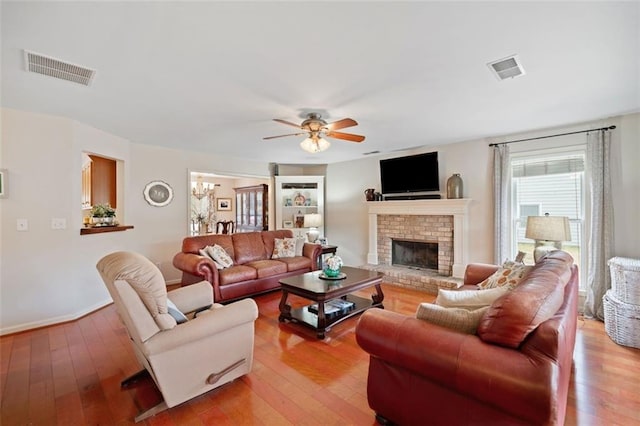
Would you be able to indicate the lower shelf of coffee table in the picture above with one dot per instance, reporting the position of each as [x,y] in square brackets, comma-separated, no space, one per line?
[305,317]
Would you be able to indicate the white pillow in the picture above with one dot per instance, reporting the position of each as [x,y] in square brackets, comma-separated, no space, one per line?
[511,273]
[175,312]
[299,246]
[219,255]
[469,299]
[284,247]
[205,253]
[461,320]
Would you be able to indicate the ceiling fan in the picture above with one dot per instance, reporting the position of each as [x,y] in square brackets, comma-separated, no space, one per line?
[317,128]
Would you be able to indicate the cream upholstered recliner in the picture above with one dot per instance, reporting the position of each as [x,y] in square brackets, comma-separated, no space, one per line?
[186,359]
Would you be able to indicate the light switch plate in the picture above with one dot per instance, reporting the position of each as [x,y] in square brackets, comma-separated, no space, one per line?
[58,223]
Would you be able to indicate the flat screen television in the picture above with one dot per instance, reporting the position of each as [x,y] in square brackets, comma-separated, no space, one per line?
[414,173]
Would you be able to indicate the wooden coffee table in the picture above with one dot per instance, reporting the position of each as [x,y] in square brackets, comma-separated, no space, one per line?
[311,287]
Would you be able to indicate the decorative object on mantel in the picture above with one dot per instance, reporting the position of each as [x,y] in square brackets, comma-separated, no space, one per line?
[158,193]
[454,186]
[331,268]
[369,194]
[103,215]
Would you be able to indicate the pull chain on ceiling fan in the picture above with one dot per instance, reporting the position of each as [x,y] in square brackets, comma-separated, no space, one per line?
[316,129]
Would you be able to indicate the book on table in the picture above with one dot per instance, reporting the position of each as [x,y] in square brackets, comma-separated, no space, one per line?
[333,307]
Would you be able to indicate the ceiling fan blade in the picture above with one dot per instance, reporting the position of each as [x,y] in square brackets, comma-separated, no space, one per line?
[282,136]
[288,123]
[346,136]
[341,124]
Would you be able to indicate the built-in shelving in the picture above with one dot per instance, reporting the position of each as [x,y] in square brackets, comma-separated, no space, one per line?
[296,196]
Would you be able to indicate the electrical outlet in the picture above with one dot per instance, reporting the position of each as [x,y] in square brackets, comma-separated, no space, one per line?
[58,223]
[22,225]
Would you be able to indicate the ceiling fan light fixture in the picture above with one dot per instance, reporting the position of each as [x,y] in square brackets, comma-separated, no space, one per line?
[314,145]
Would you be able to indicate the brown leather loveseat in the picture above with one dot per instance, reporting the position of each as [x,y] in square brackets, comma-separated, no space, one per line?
[515,370]
[253,271]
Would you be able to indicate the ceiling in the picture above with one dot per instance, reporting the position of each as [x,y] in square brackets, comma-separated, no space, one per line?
[210,76]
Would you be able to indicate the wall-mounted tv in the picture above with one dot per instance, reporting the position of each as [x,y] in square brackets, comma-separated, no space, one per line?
[414,173]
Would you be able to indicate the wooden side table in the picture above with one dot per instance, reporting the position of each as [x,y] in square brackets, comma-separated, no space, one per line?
[326,250]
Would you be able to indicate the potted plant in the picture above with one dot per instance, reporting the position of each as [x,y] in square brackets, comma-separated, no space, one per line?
[103,214]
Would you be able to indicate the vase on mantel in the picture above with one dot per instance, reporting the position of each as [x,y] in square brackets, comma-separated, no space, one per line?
[454,186]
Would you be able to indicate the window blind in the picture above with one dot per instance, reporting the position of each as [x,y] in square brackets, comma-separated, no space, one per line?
[549,166]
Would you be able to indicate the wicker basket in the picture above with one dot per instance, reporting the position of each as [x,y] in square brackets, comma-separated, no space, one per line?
[621,320]
[625,279]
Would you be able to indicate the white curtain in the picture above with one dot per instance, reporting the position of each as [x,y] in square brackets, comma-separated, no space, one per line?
[601,234]
[501,191]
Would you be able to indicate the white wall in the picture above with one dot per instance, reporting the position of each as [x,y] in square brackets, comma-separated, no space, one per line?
[49,276]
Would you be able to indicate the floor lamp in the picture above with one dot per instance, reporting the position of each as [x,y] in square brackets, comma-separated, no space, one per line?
[548,232]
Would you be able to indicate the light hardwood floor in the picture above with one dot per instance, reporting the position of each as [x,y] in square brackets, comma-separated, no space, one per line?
[69,374]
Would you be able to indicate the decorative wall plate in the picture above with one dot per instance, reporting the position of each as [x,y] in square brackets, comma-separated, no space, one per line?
[158,193]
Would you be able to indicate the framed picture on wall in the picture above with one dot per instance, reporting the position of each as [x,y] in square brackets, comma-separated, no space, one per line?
[223,204]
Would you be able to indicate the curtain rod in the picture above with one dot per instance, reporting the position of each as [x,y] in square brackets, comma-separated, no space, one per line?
[553,136]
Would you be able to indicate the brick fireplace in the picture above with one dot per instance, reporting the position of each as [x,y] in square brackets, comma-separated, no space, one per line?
[441,221]
[434,229]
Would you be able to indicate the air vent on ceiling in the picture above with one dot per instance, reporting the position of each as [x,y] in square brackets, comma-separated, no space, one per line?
[508,67]
[35,62]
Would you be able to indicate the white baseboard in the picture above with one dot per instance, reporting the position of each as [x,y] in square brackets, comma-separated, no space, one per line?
[53,321]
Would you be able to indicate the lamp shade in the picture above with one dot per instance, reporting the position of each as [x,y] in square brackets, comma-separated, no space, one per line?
[312,220]
[548,228]
[314,144]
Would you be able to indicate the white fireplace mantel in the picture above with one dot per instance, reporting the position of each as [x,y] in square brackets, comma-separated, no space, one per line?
[458,208]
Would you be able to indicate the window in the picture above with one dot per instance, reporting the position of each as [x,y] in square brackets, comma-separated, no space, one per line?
[549,182]
[527,210]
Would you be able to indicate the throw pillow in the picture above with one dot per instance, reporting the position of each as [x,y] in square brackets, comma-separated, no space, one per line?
[284,247]
[511,273]
[299,246]
[175,312]
[204,252]
[462,320]
[219,255]
[469,299]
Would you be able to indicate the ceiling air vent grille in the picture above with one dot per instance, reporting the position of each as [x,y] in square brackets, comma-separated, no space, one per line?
[53,67]
[508,67]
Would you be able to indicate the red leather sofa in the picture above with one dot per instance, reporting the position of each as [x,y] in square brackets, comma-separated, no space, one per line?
[253,271]
[514,371]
